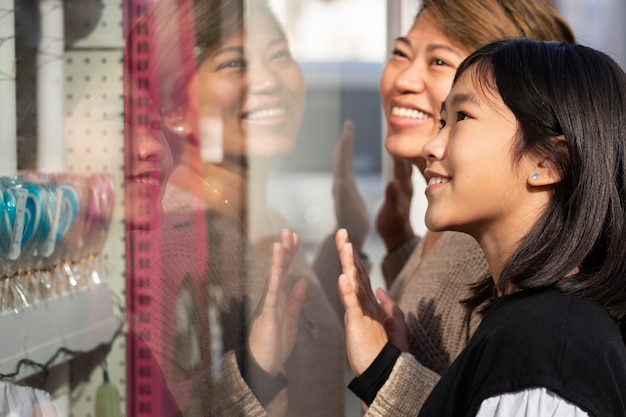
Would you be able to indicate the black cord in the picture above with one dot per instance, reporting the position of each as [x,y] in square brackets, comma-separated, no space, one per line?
[45,367]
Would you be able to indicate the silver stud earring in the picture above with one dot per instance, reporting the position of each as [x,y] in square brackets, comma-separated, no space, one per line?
[535,176]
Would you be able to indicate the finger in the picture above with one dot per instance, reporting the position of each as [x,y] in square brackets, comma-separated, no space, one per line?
[287,239]
[344,152]
[391,190]
[389,306]
[289,243]
[402,168]
[364,288]
[346,255]
[295,301]
[348,295]
[341,238]
[390,328]
[276,275]
[348,130]
[394,323]
[403,171]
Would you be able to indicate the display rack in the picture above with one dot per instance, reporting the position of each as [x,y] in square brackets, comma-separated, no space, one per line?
[78,321]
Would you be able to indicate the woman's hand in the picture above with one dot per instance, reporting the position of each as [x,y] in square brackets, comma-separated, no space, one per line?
[350,209]
[275,326]
[393,221]
[364,317]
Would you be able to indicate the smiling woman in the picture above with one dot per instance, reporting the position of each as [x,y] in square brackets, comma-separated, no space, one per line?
[254,98]
[229,98]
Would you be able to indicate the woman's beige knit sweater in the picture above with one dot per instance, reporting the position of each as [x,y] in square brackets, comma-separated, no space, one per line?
[428,290]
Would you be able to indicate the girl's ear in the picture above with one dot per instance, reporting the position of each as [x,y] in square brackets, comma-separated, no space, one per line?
[544,174]
[543,170]
[175,120]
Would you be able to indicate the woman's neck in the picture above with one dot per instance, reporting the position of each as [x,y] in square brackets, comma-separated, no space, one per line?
[236,191]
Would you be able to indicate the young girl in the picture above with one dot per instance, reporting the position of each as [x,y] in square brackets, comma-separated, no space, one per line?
[531,162]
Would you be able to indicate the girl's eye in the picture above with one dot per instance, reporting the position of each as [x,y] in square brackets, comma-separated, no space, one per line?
[442,124]
[462,116]
[234,63]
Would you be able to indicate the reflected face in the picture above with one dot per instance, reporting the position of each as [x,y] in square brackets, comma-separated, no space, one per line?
[414,83]
[473,184]
[150,166]
[249,94]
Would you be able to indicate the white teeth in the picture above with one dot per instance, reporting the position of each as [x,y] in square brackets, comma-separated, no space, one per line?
[147,180]
[267,113]
[409,113]
[437,180]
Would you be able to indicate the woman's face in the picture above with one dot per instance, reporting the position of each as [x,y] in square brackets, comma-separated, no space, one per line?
[249,94]
[414,83]
[473,184]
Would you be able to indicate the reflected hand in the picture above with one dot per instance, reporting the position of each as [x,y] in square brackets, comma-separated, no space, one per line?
[275,326]
[395,326]
[393,221]
[364,317]
[350,208]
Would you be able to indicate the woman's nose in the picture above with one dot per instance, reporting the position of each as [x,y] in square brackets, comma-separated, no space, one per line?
[262,78]
[411,79]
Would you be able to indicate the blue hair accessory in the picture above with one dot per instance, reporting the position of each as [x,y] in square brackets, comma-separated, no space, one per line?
[62,211]
[21,217]
[4,232]
[28,221]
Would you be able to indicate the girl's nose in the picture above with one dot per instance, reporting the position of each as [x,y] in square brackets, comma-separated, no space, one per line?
[435,148]
[151,146]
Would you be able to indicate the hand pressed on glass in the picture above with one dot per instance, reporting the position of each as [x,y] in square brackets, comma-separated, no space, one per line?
[275,325]
[366,320]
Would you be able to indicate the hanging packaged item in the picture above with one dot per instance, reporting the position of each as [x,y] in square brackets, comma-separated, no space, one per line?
[20,401]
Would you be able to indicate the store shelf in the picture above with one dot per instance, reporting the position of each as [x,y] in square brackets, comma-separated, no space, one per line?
[78,321]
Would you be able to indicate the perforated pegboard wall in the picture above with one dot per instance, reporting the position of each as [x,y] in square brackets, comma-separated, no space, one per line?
[95,143]
[94,131]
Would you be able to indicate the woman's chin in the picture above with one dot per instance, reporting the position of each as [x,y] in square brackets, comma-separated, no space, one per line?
[270,147]
[403,145]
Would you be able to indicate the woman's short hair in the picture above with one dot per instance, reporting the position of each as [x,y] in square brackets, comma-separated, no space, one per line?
[473,23]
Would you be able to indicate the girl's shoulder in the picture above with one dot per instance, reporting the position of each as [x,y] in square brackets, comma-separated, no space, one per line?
[550,324]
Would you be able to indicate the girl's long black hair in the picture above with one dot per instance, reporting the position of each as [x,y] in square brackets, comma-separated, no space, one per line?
[569,101]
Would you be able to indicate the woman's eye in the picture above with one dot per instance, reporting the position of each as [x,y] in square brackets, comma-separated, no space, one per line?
[398,53]
[442,124]
[439,62]
[285,53]
[462,116]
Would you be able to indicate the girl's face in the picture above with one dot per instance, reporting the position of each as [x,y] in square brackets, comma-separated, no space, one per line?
[414,82]
[249,94]
[474,186]
[150,165]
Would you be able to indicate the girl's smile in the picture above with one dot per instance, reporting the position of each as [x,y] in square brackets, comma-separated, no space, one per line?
[472,156]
